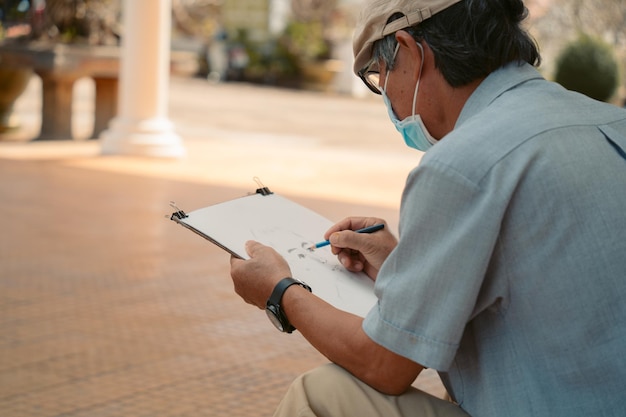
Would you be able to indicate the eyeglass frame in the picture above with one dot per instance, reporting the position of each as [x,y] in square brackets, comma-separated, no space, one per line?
[366,72]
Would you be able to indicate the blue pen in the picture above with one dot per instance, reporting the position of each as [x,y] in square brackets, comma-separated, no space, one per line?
[369,229]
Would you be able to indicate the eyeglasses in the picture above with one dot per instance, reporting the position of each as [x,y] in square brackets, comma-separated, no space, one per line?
[370,74]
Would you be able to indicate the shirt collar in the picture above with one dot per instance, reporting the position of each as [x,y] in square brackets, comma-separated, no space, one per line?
[497,83]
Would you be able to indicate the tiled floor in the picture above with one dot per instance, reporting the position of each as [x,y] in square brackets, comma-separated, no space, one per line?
[109,309]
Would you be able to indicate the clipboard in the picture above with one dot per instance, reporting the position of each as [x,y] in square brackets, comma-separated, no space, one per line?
[290,229]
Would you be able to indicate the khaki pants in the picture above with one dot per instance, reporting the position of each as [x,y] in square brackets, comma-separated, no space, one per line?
[331,391]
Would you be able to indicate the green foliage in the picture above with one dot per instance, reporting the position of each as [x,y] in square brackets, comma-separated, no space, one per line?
[281,60]
[270,62]
[306,40]
[588,66]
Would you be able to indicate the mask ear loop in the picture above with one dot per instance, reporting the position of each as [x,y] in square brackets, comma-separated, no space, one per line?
[395,53]
[419,77]
[386,79]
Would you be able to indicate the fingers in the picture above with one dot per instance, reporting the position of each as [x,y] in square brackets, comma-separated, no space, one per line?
[253,248]
[352,249]
[362,242]
[255,278]
[352,223]
[361,251]
[351,260]
[340,240]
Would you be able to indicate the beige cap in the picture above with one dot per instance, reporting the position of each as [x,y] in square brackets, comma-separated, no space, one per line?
[372,24]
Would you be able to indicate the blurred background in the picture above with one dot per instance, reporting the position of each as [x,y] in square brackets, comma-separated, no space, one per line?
[307,43]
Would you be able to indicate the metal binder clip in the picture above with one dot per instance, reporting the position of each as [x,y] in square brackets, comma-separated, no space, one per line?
[263,190]
[179,214]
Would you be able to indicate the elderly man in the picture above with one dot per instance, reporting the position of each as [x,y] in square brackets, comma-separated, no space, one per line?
[508,276]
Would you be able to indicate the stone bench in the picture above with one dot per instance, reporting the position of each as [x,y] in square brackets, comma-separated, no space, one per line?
[59,66]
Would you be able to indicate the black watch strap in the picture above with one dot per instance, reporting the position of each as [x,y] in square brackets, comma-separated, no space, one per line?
[273,303]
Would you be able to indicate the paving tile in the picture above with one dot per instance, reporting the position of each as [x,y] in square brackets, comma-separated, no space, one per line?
[108,309]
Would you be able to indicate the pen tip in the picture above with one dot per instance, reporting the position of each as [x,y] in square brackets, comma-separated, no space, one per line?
[311,248]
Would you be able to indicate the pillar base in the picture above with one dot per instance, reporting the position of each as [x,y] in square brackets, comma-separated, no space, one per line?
[153,138]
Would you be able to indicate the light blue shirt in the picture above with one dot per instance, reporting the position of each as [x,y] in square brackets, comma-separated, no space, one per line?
[510,273]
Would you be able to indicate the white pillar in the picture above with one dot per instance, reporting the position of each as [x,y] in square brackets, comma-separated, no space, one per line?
[141,126]
[279,14]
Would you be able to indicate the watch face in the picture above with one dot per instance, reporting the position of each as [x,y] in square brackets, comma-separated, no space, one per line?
[273,316]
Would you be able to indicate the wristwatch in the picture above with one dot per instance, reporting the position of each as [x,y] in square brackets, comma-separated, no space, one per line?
[272,307]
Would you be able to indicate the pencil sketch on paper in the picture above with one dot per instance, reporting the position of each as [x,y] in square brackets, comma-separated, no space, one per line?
[295,249]
[292,245]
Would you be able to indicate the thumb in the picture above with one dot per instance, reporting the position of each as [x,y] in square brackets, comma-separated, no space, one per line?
[348,239]
[252,248]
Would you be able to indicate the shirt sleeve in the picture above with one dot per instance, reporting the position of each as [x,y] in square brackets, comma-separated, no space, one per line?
[429,286]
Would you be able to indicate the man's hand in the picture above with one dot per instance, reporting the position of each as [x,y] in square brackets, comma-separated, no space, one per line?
[361,251]
[255,278]
[336,334]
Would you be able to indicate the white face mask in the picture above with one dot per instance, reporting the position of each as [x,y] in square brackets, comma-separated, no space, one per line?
[412,128]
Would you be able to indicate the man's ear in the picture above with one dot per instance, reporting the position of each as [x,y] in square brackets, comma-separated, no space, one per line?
[411,51]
